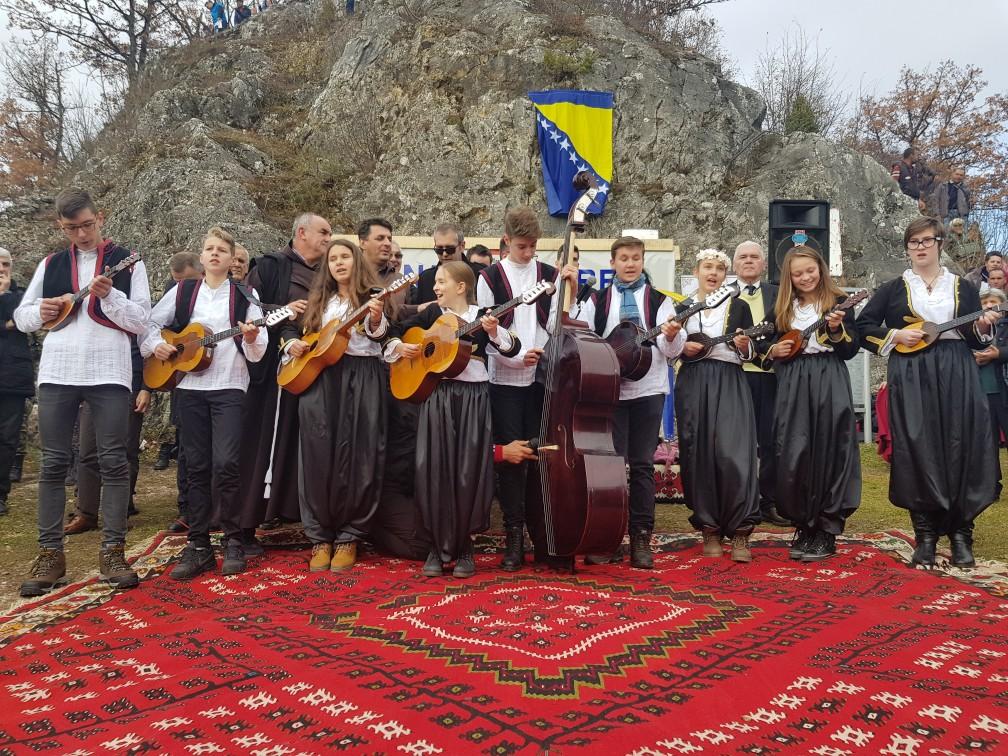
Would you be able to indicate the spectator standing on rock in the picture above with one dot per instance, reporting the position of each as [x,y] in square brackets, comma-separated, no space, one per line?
[16,375]
[994,260]
[953,198]
[218,15]
[242,13]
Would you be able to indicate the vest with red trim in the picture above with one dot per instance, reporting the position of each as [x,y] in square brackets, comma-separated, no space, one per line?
[60,277]
[185,302]
[501,288]
[653,299]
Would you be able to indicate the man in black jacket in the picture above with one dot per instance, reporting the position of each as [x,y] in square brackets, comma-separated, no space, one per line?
[16,374]
[749,265]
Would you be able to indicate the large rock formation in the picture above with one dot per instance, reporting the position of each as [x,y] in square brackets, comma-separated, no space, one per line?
[418,111]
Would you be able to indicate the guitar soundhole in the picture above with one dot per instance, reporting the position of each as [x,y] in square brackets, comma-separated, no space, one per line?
[428,350]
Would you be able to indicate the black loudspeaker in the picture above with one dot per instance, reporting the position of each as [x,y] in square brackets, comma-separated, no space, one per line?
[794,222]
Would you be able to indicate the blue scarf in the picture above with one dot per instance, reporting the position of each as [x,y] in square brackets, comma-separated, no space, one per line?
[628,304]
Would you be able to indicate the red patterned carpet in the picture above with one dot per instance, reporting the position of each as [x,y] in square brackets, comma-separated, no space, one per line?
[856,655]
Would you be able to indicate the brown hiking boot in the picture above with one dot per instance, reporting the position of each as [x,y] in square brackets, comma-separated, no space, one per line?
[48,571]
[321,557]
[115,570]
[80,523]
[712,543]
[740,547]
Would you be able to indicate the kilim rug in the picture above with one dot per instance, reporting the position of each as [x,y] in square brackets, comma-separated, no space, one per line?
[856,655]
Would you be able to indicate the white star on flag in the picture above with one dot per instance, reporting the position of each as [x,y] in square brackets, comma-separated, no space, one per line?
[555,136]
[564,145]
[573,157]
[603,188]
[582,167]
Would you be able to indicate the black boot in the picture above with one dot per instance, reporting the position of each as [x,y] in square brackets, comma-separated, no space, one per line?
[640,550]
[962,546]
[514,550]
[17,469]
[927,539]
[163,457]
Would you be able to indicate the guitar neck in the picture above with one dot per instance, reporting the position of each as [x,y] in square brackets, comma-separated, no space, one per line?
[113,272]
[682,317]
[964,320]
[230,333]
[471,328]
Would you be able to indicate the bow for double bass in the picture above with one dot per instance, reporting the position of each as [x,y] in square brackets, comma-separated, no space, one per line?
[632,343]
[443,351]
[326,347]
[194,347]
[577,500]
[800,339]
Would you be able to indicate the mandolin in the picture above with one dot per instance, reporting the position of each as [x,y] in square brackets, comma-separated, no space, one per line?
[933,330]
[327,346]
[72,303]
[632,343]
[443,352]
[709,342]
[194,347]
[800,339]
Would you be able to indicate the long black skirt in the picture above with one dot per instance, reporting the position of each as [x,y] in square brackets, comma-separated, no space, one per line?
[717,446]
[342,426]
[944,459]
[454,465]
[818,482]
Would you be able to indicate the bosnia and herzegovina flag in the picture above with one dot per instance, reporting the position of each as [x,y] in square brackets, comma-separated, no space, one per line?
[575,130]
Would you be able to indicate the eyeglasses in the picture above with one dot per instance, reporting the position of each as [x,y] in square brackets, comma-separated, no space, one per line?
[74,228]
[397,255]
[925,243]
[444,250]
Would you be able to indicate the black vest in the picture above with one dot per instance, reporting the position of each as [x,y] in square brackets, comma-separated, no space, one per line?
[653,299]
[60,276]
[185,302]
[501,288]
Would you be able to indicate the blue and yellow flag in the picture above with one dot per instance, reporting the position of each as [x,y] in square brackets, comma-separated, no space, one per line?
[575,130]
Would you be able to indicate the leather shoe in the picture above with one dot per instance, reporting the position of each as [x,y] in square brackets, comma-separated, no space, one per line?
[80,523]
[771,516]
[179,526]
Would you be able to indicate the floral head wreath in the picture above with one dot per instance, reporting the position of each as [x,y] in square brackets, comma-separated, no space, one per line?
[714,254]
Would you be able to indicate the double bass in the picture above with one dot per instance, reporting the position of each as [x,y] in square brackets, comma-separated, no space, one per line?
[576,500]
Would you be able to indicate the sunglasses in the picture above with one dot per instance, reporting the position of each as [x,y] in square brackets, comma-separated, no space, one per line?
[444,250]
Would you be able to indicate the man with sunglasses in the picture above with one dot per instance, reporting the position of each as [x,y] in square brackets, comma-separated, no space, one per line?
[449,245]
[88,360]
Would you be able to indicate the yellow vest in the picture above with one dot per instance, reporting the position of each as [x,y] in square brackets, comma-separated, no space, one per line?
[755,302]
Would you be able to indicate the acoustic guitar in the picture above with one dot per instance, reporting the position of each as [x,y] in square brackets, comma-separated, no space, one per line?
[71,304]
[632,343]
[800,339]
[933,330]
[194,347]
[327,346]
[758,331]
[443,353]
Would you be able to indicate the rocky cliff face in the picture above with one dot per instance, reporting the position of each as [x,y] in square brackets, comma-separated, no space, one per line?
[417,111]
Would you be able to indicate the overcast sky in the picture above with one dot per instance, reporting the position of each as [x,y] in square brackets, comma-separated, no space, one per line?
[870,40]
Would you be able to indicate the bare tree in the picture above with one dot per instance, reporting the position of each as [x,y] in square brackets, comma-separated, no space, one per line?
[112,36]
[795,72]
[37,83]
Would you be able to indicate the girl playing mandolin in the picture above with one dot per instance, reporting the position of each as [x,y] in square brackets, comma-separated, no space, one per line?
[818,473]
[944,463]
[342,414]
[716,422]
[454,464]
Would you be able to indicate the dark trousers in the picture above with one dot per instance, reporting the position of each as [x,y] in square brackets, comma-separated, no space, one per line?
[58,406]
[211,437]
[517,414]
[636,423]
[11,418]
[89,481]
[998,415]
[763,387]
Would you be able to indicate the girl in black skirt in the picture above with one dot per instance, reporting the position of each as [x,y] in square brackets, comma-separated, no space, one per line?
[714,415]
[454,456]
[944,463]
[342,414]
[815,433]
